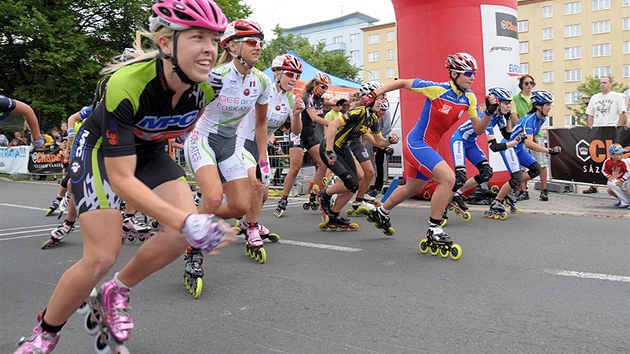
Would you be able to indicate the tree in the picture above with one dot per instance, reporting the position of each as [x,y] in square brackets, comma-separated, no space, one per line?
[335,62]
[587,89]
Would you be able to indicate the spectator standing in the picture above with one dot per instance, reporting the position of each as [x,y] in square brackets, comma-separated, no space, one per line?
[18,139]
[616,171]
[3,139]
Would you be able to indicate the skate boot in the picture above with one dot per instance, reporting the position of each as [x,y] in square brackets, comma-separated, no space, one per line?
[266,234]
[282,206]
[53,206]
[496,211]
[324,201]
[106,318]
[254,244]
[372,200]
[522,195]
[134,230]
[438,242]
[510,202]
[56,235]
[361,208]
[193,271]
[338,223]
[381,220]
[197,198]
[312,200]
[39,341]
[460,208]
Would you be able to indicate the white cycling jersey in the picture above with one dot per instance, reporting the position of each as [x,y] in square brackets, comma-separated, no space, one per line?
[279,109]
[238,96]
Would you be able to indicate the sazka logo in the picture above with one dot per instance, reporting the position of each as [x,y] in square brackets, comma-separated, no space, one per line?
[581,150]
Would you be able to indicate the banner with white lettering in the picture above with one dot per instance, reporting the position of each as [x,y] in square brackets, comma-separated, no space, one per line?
[14,160]
[584,151]
[45,161]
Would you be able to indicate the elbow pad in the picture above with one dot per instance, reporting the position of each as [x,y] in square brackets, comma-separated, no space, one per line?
[496,147]
[505,133]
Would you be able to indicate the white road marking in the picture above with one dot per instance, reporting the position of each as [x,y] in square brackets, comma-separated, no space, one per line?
[23,206]
[571,273]
[316,245]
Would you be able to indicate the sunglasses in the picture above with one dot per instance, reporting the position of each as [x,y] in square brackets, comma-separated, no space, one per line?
[291,75]
[529,83]
[251,41]
[323,87]
[466,73]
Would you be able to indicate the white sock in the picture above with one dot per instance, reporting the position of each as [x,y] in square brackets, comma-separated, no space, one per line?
[119,283]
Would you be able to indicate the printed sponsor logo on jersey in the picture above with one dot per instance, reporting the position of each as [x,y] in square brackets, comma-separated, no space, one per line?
[506,25]
[246,92]
[445,109]
[75,167]
[235,168]
[278,108]
[500,48]
[514,70]
[81,144]
[252,84]
[229,90]
[193,141]
[153,123]
[112,132]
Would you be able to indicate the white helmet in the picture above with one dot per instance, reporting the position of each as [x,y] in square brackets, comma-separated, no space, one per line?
[369,87]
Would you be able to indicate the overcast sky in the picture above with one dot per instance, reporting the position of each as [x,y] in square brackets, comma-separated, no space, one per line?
[292,13]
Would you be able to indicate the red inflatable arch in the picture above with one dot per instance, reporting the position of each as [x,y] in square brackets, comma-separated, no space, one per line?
[429,30]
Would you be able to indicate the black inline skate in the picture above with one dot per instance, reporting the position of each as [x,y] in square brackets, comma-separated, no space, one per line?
[510,202]
[457,206]
[312,199]
[381,221]
[496,211]
[57,234]
[282,206]
[53,207]
[438,242]
[336,222]
[323,200]
[193,271]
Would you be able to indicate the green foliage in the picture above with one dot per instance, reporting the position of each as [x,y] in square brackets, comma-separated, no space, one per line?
[588,88]
[234,10]
[335,63]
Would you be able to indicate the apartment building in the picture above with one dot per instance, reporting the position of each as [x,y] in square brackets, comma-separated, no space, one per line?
[562,42]
[380,48]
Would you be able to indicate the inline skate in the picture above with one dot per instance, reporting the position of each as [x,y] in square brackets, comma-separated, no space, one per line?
[53,207]
[381,221]
[496,211]
[361,208]
[282,206]
[106,318]
[336,222]
[57,234]
[372,200]
[38,341]
[438,242]
[312,199]
[457,206]
[444,219]
[133,230]
[241,228]
[254,243]
[510,202]
[193,271]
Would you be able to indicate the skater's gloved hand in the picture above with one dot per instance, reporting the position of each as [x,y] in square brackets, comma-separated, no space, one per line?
[368,99]
[491,104]
[39,143]
[393,139]
[208,232]
[389,151]
[520,138]
[263,172]
[331,156]
[555,150]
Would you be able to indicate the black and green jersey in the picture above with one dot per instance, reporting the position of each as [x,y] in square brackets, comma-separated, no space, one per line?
[355,123]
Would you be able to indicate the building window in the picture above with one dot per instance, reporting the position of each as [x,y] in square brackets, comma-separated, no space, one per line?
[570,120]
[524,68]
[372,57]
[547,33]
[390,54]
[547,77]
[354,38]
[601,5]
[373,75]
[601,50]
[354,54]
[548,55]
[390,73]
[572,53]
[523,26]
[572,8]
[390,36]
[572,75]
[626,47]
[601,27]
[523,47]
[626,23]
[373,39]
[626,3]
[601,71]
[572,31]
[573,98]
[626,71]
[547,11]
[338,39]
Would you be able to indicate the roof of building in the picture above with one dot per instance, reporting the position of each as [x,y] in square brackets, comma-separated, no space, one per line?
[340,20]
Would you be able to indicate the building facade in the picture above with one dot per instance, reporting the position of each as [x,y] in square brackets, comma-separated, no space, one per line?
[380,53]
[562,42]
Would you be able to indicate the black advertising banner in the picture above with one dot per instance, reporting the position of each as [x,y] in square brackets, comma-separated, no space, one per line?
[584,151]
[45,161]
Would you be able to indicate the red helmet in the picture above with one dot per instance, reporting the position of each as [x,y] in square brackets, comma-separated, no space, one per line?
[323,79]
[240,29]
[461,62]
[287,62]
[179,15]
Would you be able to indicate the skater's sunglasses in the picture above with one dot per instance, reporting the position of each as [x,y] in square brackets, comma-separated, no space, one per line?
[529,83]
[291,75]
[323,87]
[466,73]
[251,41]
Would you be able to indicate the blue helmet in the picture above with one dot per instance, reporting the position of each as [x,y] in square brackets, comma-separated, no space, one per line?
[501,94]
[541,97]
[616,149]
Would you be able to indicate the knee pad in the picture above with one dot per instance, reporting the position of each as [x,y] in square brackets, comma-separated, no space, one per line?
[64,181]
[516,179]
[534,170]
[485,172]
[460,177]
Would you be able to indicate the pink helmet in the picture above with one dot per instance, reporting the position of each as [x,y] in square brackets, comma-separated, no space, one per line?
[461,62]
[179,15]
[287,62]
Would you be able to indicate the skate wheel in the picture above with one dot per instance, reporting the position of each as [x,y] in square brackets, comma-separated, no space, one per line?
[82,310]
[273,237]
[486,214]
[238,229]
[90,323]
[325,218]
[132,239]
[368,217]
[322,226]
[495,189]
[353,226]
[278,213]
[186,282]
[306,206]
[124,239]
[47,243]
[196,288]
[456,252]
[444,252]
[362,210]
[349,212]
[466,216]
[502,216]
[514,209]
[261,255]
[443,223]
[424,246]
[142,239]
[315,207]
[389,231]
[435,249]
[155,224]
[378,226]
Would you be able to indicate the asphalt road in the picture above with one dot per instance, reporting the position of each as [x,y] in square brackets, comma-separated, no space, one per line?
[530,284]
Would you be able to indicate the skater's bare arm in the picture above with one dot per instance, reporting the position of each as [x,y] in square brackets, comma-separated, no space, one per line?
[296,121]
[394,85]
[261,131]
[331,132]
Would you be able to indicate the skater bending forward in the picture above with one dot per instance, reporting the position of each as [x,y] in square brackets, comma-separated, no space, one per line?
[119,154]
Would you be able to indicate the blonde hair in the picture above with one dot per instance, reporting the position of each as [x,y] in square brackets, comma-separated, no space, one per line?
[310,85]
[140,54]
[356,100]
[226,57]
